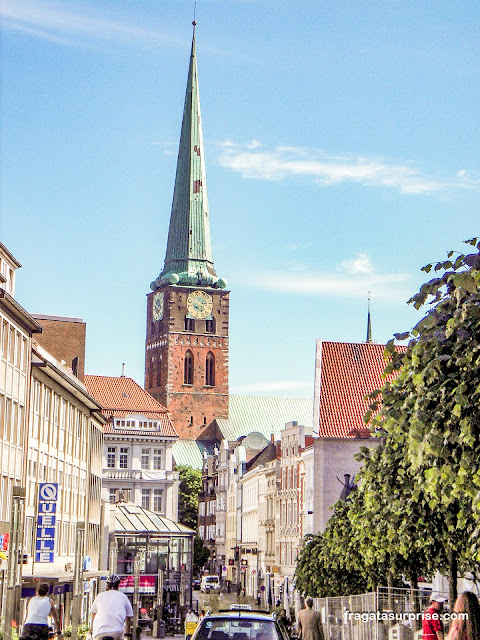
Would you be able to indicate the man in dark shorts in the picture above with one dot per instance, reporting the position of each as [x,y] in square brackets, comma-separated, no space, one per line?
[432,624]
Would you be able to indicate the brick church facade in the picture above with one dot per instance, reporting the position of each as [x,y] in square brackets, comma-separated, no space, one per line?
[186,350]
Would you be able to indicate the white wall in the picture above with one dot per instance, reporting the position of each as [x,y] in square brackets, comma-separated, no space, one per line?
[334,457]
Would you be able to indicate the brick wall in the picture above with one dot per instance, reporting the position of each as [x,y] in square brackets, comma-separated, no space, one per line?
[64,338]
[192,406]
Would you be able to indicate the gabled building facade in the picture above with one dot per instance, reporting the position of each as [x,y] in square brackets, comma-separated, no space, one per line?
[345,374]
[16,330]
[64,447]
[138,441]
[289,534]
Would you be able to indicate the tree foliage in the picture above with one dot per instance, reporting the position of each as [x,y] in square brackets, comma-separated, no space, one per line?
[329,564]
[200,555]
[418,501]
[188,490]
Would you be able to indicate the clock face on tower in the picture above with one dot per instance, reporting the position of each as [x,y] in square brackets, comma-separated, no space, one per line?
[157,308]
[199,304]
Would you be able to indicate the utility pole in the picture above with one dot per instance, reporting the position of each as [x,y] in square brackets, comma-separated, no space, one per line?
[78,578]
[138,566]
[15,561]
[112,565]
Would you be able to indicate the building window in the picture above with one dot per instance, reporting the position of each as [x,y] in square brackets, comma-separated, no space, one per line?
[111,456]
[145,498]
[189,324]
[210,370]
[112,495]
[188,368]
[123,458]
[158,500]
[210,326]
[145,462]
[157,459]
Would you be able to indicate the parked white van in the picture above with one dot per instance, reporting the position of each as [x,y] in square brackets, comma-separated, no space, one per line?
[209,583]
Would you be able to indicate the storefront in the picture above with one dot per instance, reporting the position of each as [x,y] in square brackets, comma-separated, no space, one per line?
[164,550]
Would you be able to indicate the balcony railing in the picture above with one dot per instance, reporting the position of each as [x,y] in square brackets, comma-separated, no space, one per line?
[121,474]
[140,474]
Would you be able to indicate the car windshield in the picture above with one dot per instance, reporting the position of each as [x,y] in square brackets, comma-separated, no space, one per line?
[237,629]
[211,579]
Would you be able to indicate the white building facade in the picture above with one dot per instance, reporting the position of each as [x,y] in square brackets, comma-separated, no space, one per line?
[137,453]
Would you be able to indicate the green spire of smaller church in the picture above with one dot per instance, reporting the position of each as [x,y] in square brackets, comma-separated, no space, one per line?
[369,323]
[189,258]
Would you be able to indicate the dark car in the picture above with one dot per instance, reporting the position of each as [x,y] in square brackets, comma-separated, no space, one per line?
[196,583]
[239,625]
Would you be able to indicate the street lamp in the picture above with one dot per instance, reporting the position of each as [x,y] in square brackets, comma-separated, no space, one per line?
[78,578]
[15,560]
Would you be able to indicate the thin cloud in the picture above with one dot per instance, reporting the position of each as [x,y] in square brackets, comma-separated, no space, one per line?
[382,287]
[360,264]
[351,279]
[274,386]
[54,23]
[327,170]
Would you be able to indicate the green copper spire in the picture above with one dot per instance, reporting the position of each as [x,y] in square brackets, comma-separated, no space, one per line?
[369,323]
[189,258]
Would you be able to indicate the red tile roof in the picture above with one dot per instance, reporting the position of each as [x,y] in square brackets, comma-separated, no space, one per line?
[121,397]
[349,372]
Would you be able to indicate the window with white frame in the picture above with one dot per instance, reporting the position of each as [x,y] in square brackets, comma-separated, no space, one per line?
[157,458]
[123,458]
[112,495]
[146,498]
[158,500]
[111,457]
[145,460]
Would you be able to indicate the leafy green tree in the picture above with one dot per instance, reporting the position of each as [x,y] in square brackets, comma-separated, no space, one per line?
[431,413]
[418,502]
[200,555]
[188,490]
[329,564]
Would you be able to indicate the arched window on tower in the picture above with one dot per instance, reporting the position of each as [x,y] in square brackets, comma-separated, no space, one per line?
[210,370]
[188,368]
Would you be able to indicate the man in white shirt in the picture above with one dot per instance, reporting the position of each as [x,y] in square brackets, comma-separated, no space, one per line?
[112,612]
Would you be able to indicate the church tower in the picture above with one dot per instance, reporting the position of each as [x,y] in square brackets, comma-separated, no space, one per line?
[186,350]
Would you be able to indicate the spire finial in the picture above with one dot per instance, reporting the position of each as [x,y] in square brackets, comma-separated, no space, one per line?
[369,322]
[194,21]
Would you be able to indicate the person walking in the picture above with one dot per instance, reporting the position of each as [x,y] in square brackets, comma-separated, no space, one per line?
[285,621]
[309,623]
[39,608]
[112,612]
[432,624]
[466,626]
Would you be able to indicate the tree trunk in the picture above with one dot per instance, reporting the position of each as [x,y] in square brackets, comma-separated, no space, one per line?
[452,578]
[390,590]
[415,600]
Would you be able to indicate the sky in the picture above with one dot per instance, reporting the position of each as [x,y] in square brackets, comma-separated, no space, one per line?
[342,155]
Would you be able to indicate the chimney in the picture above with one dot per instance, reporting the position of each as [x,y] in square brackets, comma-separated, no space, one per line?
[123,370]
[347,479]
[75,362]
